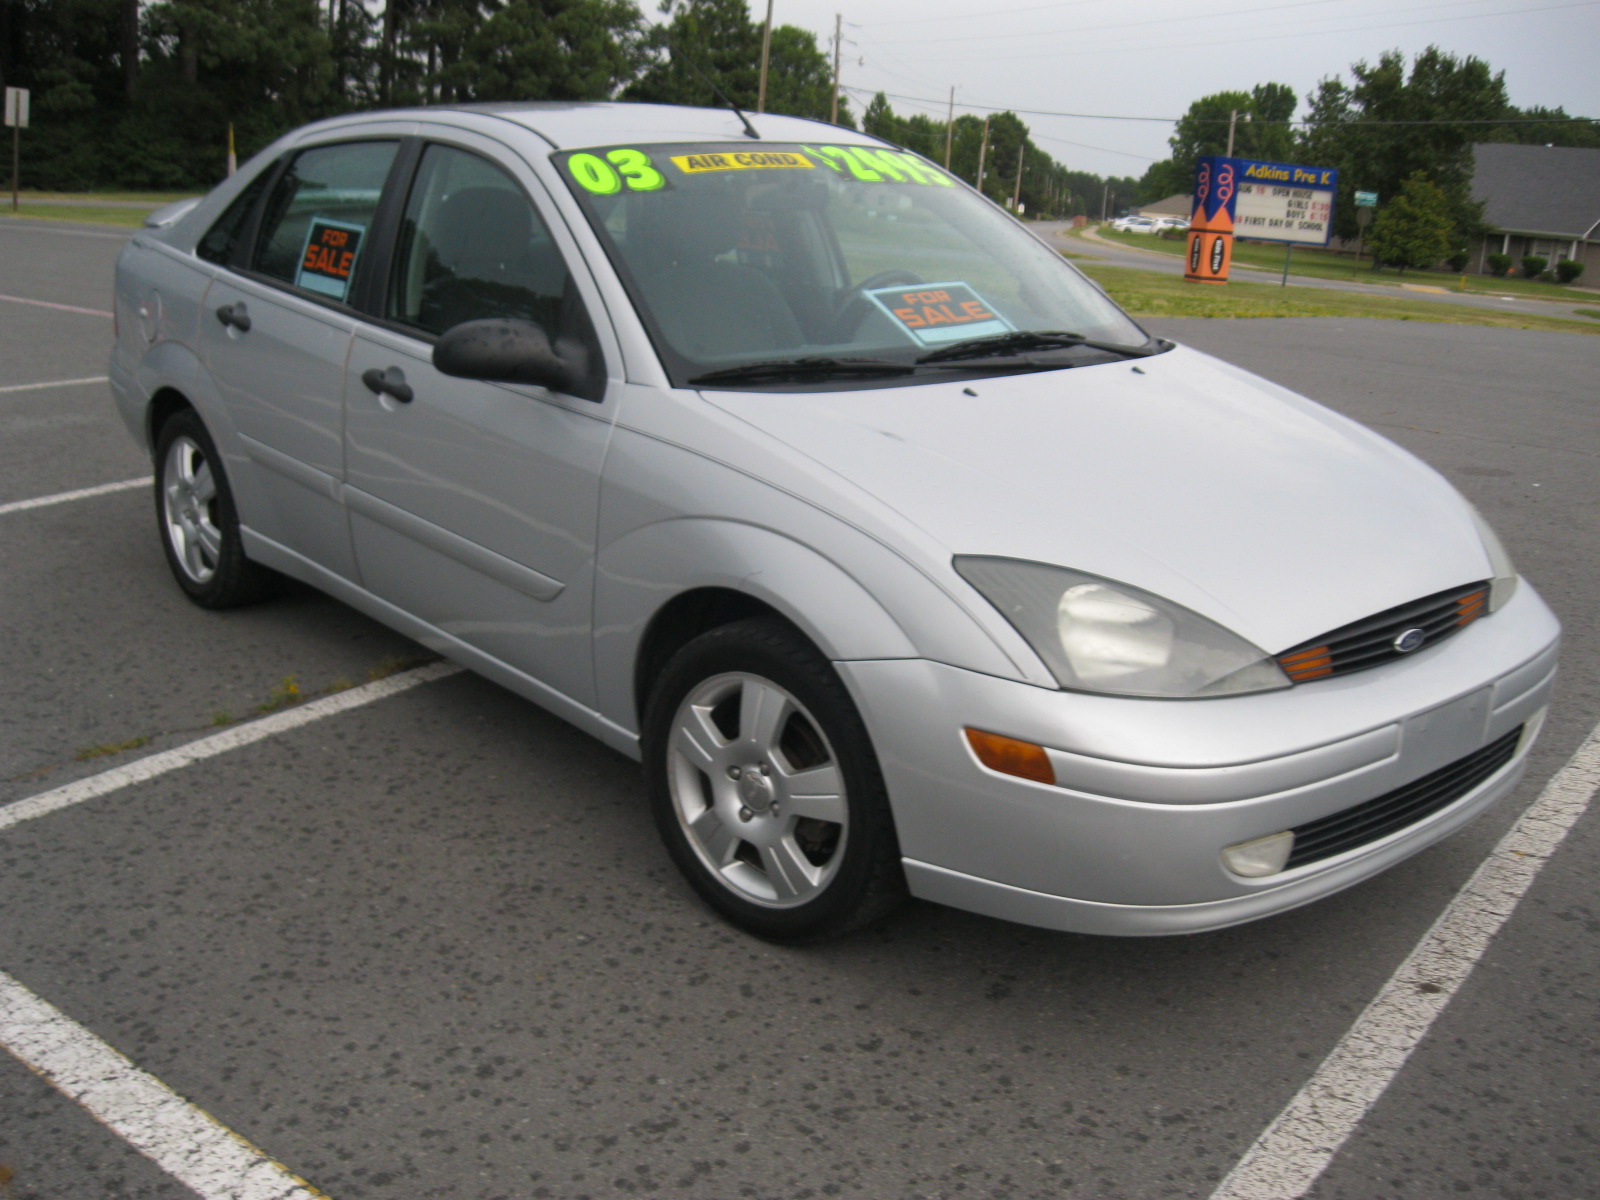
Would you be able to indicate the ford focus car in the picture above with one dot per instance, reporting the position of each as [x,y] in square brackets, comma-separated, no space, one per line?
[777,458]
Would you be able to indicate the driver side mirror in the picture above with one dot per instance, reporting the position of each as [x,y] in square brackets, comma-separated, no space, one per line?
[506,350]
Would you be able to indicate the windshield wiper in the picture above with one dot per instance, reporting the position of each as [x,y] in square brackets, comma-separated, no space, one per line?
[818,367]
[1020,341]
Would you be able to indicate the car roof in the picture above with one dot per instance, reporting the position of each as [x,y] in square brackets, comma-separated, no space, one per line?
[569,123]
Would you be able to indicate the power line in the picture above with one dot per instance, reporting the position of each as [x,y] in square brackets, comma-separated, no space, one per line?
[1037,112]
[1145,24]
[1144,46]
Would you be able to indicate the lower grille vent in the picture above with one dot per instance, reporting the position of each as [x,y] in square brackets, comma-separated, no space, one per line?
[1404,806]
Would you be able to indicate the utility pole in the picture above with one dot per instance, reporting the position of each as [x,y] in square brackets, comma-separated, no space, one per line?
[1233,119]
[766,55]
[1016,194]
[949,126]
[1105,195]
[838,45]
[983,152]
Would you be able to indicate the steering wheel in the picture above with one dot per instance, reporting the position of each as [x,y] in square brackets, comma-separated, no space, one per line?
[854,306]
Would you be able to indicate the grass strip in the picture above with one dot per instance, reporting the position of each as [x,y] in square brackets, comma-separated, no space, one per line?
[1318,263]
[81,213]
[1152,294]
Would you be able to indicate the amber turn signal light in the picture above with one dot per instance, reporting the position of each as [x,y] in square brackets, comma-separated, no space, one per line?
[1011,757]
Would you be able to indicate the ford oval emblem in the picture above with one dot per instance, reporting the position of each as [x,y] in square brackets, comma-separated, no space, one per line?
[1410,640]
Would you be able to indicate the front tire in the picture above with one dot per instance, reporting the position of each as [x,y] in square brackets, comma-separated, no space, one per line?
[197,519]
[765,788]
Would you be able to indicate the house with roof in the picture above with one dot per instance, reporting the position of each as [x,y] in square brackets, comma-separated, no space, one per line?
[1179,204]
[1542,200]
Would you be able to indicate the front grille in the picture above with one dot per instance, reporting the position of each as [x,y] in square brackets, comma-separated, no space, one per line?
[1404,806]
[1372,642]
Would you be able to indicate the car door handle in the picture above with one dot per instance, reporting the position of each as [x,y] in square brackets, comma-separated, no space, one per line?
[235,315]
[391,382]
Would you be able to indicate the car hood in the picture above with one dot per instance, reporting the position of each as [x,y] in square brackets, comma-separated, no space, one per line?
[1179,474]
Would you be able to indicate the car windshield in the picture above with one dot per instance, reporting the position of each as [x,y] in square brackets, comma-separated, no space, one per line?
[806,266]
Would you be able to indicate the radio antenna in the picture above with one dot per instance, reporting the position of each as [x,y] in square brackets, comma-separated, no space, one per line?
[749,129]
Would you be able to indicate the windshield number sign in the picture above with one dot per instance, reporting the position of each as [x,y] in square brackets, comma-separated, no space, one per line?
[934,313]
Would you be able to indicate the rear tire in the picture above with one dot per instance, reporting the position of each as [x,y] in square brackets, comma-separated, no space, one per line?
[198,522]
[765,787]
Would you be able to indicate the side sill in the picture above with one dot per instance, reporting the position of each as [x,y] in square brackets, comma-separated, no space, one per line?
[270,554]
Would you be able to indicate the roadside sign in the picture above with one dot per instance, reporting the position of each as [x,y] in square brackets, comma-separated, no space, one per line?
[1366,199]
[17,107]
[17,118]
[1284,202]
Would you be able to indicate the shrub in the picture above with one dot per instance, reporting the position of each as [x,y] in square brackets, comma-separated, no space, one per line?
[1533,265]
[1567,270]
[1457,262]
[1499,264]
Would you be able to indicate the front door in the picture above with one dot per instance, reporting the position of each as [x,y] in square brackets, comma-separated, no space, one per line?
[473,505]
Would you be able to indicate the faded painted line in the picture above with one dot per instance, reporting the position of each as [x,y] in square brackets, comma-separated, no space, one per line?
[184,1141]
[36,225]
[72,308]
[55,383]
[220,743]
[1289,1157]
[81,494]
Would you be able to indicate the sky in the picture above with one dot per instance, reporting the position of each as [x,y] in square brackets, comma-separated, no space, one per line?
[1152,58]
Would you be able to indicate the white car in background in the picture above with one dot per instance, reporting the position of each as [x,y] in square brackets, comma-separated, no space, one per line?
[1133,224]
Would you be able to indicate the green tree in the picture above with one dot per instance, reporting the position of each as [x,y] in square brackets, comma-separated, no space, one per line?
[1261,130]
[1544,127]
[547,50]
[715,40]
[1415,228]
[1390,124]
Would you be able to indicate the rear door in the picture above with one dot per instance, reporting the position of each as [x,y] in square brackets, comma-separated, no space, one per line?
[275,336]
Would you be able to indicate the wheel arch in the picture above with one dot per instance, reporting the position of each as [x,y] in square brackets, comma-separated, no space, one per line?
[664,584]
[166,402]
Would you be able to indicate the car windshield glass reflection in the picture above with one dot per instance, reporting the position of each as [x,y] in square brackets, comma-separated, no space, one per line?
[741,255]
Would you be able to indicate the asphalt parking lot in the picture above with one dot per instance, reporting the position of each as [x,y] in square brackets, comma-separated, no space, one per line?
[422,941]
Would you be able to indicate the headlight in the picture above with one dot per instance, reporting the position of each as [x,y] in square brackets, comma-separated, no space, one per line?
[1505,574]
[1100,636]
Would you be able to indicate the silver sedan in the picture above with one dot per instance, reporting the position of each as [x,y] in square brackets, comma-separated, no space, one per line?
[774,456]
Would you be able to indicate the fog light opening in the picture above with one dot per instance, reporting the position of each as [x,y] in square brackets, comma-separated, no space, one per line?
[1260,856]
[1010,756]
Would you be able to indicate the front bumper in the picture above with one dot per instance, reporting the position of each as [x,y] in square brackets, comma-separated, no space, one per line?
[1150,792]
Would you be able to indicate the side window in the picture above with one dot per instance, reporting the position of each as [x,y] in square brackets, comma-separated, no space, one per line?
[316,221]
[221,241]
[472,246]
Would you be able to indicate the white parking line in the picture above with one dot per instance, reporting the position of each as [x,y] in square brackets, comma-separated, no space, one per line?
[55,383]
[1289,1157]
[153,765]
[81,494]
[178,1137]
[186,1142]
[71,308]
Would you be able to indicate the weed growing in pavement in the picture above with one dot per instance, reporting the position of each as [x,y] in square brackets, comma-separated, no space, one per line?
[395,663]
[108,748]
[222,717]
[282,696]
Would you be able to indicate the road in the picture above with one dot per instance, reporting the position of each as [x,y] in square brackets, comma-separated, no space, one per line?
[428,946]
[1058,234]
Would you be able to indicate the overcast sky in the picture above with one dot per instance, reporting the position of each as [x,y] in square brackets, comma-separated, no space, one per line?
[1151,58]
